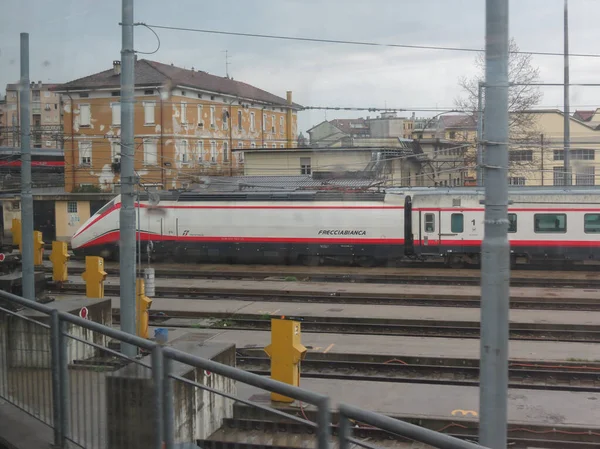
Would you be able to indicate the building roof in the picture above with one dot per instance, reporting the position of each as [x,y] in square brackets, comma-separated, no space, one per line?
[38,85]
[283,183]
[351,125]
[584,116]
[458,121]
[152,73]
[343,149]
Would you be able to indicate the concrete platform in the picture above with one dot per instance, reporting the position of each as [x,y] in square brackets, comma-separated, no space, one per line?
[403,346]
[525,407]
[232,308]
[347,289]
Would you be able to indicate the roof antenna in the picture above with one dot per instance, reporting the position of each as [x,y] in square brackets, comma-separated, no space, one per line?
[226,63]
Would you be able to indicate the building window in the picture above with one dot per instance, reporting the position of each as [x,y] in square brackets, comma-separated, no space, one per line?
[591,223]
[305,167]
[213,152]
[281,146]
[253,145]
[200,151]
[559,176]
[183,113]
[212,117]
[273,123]
[183,150]
[452,135]
[516,181]
[274,145]
[72,207]
[241,157]
[429,223]
[200,118]
[84,115]
[281,130]
[225,120]
[457,223]
[85,153]
[252,122]
[512,222]
[115,151]
[239,116]
[149,112]
[576,155]
[264,122]
[225,152]
[520,156]
[116,114]
[150,152]
[551,223]
[585,176]
[149,92]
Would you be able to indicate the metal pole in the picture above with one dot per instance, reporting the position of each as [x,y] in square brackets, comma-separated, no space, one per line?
[28,281]
[158,380]
[127,214]
[480,135]
[323,424]
[168,406]
[567,123]
[495,266]
[59,438]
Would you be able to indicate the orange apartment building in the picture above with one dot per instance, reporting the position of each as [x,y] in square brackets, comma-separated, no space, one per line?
[186,124]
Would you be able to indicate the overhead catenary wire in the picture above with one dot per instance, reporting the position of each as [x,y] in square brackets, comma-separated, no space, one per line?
[353,42]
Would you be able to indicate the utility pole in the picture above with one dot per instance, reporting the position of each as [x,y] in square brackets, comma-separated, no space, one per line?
[567,122]
[127,213]
[480,134]
[495,266]
[28,271]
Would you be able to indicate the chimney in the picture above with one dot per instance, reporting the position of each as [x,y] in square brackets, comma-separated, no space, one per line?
[289,97]
[117,67]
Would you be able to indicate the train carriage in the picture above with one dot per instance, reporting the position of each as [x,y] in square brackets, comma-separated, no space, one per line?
[542,225]
[306,227]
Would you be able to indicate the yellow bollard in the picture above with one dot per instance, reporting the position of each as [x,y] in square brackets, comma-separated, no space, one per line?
[16,233]
[286,351]
[59,258]
[142,306]
[94,276]
[38,249]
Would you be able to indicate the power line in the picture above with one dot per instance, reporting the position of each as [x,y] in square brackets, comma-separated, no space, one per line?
[361,43]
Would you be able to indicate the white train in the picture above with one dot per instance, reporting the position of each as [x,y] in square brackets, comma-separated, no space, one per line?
[357,228]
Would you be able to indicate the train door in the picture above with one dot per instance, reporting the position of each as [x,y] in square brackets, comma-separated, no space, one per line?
[429,230]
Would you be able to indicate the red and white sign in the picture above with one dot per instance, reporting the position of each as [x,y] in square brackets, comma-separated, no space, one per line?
[84,313]
[207,373]
[2,257]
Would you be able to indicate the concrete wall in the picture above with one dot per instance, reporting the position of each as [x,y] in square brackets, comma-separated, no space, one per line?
[288,163]
[67,223]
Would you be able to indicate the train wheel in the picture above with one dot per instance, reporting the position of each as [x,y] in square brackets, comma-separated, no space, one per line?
[455,262]
[366,261]
[310,261]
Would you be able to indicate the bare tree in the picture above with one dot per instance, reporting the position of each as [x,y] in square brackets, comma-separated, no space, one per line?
[522,98]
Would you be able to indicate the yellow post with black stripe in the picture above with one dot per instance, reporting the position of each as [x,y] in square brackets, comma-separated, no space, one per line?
[142,305]
[286,351]
[94,276]
[59,258]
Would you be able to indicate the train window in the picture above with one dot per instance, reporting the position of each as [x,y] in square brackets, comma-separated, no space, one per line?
[512,222]
[591,223]
[457,223]
[550,223]
[105,207]
[429,223]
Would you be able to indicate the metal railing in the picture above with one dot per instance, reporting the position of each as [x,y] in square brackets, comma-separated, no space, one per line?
[61,369]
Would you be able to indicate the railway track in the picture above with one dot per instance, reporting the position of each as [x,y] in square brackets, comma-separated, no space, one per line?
[373,326]
[217,294]
[434,278]
[523,374]
[248,419]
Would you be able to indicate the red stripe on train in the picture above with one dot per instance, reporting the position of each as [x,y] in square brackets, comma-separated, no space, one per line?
[113,237]
[555,243]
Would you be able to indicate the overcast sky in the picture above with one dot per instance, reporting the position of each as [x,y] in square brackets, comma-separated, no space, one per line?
[74,38]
